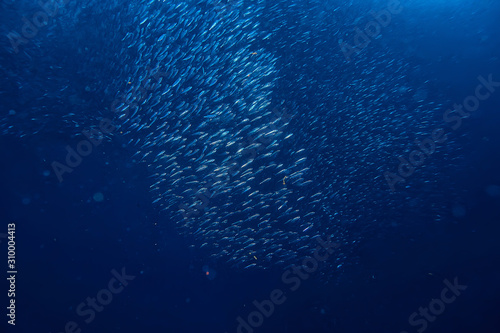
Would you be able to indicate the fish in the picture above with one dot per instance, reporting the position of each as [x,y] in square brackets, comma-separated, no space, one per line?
[258,135]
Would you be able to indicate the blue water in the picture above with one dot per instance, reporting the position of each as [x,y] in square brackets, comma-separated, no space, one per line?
[105,245]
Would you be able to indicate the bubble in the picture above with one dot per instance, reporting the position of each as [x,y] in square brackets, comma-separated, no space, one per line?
[403,89]
[98,197]
[458,211]
[420,95]
[493,190]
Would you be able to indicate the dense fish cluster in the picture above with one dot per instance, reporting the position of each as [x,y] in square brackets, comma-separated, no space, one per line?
[258,134]
[212,137]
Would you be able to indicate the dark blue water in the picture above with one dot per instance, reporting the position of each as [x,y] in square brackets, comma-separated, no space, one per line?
[103,250]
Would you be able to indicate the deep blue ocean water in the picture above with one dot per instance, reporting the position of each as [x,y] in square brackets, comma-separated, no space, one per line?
[355,113]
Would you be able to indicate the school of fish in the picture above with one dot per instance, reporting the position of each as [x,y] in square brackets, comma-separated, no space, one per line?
[258,134]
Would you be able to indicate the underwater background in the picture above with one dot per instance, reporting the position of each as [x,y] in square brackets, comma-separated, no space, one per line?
[250,166]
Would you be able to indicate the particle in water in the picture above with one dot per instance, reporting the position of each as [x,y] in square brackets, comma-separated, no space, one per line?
[209,272]
[458,211]
[98,197]
[493,190]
